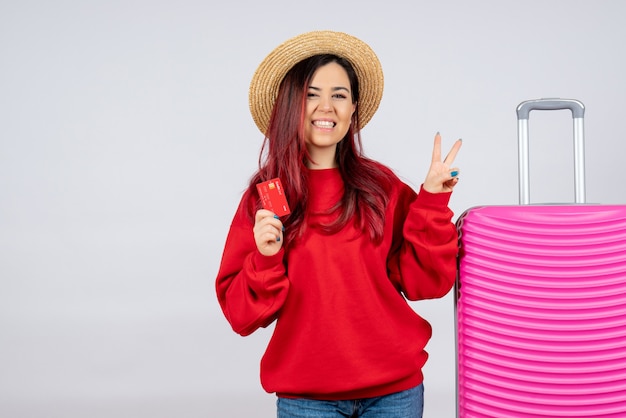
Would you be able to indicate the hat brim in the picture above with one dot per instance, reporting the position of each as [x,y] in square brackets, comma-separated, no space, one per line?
[270,73]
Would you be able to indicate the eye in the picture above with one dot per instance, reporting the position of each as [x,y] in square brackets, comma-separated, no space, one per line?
[340,96]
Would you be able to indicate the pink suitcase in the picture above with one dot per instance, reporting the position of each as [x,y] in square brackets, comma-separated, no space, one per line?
[540,301]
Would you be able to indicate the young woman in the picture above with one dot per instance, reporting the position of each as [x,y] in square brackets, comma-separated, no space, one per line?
[335,274]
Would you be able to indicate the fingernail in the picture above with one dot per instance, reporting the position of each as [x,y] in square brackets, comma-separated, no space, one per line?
[277,239]
[454,173]
[283,228]
[276,217]
[437,133]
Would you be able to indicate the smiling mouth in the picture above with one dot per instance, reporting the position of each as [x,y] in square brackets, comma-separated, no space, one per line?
[324,124]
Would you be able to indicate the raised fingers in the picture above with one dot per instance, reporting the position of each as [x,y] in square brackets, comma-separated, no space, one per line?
[453,151]
[437,148]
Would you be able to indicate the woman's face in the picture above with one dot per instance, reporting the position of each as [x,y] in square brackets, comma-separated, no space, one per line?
[328,113]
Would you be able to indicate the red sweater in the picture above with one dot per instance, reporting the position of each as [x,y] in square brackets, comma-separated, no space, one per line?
[344,329]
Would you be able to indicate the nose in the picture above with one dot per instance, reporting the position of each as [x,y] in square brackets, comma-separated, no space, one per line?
[325,103]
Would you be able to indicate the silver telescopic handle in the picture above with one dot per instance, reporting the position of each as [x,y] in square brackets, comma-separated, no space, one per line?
[578,114]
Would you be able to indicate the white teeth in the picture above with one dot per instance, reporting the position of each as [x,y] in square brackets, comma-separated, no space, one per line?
[324,123]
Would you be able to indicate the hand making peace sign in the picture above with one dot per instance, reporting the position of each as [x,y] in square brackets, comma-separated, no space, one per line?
[441,178]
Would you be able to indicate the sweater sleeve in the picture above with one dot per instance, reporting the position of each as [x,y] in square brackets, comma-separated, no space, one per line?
[251,288]
[423,258]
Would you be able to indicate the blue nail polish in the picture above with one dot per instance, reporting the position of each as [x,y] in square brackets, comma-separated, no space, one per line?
[276,216]
[283,228]
[454,173]
[277,239]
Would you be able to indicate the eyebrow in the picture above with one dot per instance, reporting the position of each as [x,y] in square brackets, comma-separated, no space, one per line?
[333,89]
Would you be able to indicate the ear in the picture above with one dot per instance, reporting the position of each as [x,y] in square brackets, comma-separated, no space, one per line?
[352,118]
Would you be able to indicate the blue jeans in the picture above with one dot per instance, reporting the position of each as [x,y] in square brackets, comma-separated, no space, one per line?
[405,404]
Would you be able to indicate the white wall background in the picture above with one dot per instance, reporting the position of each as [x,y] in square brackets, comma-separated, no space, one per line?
[125,142]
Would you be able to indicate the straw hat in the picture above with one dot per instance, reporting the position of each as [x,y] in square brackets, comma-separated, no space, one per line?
[270,73]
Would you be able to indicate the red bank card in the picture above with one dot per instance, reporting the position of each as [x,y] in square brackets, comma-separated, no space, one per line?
[273,197]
